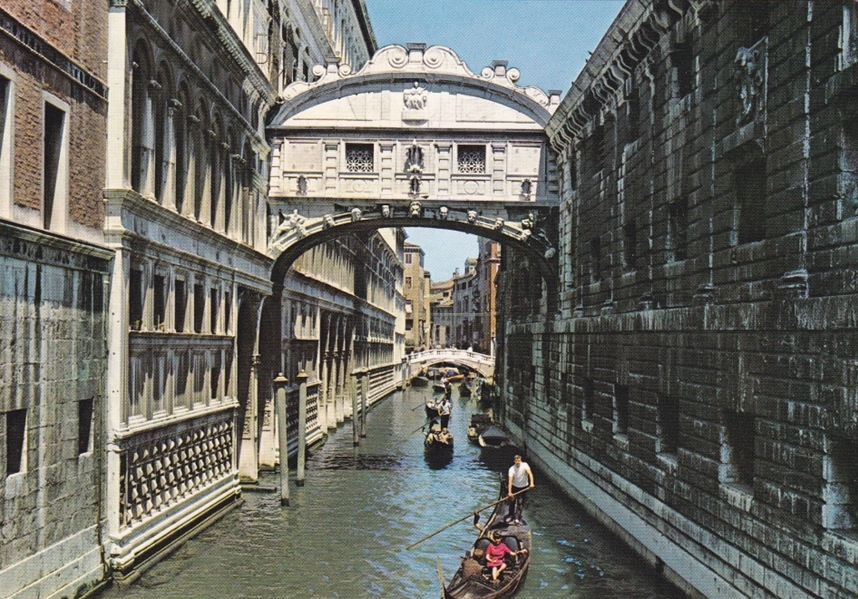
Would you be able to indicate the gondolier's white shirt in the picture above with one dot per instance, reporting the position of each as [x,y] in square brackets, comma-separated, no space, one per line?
[518,474]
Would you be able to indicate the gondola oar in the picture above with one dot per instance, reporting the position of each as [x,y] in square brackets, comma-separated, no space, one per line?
[474,513]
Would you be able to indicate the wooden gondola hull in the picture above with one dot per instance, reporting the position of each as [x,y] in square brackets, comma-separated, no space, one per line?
[517,535]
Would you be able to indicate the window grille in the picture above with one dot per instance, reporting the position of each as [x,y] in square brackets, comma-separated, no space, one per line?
[472,159]
[359,158]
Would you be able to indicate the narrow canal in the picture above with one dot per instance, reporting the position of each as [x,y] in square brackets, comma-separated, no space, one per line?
[346,531]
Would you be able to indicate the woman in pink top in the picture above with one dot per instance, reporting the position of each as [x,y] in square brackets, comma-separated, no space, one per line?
[495,553]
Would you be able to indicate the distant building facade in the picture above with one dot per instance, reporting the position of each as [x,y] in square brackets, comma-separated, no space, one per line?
[443,325]
[417,289]
[485,295]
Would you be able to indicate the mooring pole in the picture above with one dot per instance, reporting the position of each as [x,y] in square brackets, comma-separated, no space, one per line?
[364,399]
[283,437]
[353,391]
[302,426]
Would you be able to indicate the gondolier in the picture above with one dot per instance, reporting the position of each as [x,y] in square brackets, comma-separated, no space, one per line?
[444,411]
[520,478]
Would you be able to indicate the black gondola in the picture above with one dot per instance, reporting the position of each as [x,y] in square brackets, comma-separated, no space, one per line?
[516,537]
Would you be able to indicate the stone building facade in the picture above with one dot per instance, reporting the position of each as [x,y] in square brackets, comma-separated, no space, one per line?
[53,281]
[695,388]
[417,290]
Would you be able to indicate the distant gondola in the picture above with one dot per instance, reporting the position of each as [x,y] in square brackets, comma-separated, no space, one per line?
[479,422]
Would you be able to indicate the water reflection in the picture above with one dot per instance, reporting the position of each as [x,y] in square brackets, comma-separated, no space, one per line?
[346,531]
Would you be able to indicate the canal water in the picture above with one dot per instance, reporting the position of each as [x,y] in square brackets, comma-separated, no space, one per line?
[346,531]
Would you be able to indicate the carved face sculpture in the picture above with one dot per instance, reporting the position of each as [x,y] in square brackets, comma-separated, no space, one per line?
[356,214]
[415,209]
[472,216]
[385,211]
[443,211]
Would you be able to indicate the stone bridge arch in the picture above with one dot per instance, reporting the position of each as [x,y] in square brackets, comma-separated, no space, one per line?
[413,139]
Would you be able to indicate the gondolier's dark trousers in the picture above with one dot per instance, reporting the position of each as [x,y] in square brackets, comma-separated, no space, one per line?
[516,503]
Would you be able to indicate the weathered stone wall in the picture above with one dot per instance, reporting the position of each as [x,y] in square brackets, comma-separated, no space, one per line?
[52,360]
[696,388]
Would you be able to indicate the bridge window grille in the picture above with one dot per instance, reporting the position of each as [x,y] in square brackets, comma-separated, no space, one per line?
[472,159]
[360,158]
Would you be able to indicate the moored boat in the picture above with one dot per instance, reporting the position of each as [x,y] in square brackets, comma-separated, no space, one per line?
[479,585]
[419,381]
[479,422]
[493,437]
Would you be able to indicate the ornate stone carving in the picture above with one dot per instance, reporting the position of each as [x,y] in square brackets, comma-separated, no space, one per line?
[414,159]
[750,73]
[385,211]
[415,98]
[415,210]
[294,222]
[472,216]
[328,220]
[443,212]
[356,214]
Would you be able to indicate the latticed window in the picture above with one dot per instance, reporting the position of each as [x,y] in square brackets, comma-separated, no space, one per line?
[472,159]
[359,158]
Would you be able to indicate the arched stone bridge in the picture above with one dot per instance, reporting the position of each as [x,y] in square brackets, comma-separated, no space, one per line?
[415,139]
[482,363]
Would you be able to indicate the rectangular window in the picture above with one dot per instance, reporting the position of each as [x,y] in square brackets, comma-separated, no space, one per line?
[683,69]
[471,160]
[199,307]
[668,424]
[408,258]
[54,187]
[621,409]
[215,376]
[595,260]
[840,511]
[227,309]
[630,245]
[587,399]
[84,426]
[408,281]
[159,301]
[180,307]
[215,308]
[135,299]
[677,230]
[750,181]
[360,158]
[16,441]
[739,446]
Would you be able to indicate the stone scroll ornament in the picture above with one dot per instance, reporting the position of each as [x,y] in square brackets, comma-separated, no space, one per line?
[293,222]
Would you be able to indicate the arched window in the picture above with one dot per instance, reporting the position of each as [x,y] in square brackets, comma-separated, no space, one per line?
[141,122]
[163,135]
[200,160]
[216,162]
[180,126]
[232,188]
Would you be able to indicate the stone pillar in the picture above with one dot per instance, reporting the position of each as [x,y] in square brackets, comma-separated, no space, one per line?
[387,168]
[498,170]
[354,395]
[445,167]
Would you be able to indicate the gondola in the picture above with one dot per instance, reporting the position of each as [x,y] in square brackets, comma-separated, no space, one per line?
[431,406]
[436,442]
[466,387]
[516,537]
[479,422]
[419,381]
[493,438]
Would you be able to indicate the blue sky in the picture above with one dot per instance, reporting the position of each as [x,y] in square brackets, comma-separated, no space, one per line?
[547,40]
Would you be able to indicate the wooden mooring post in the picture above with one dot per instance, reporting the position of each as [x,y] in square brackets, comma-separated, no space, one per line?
[283,437]
[302,427]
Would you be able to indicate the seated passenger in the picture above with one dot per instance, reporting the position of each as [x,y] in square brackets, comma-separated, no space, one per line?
[495,554]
